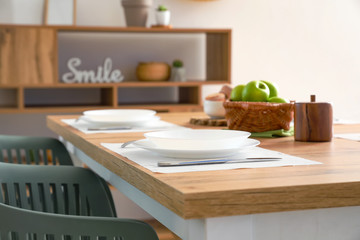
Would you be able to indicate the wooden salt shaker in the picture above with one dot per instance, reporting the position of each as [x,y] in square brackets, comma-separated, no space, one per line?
[313,121]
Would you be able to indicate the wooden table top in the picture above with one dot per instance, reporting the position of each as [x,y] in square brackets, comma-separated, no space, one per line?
[335,183]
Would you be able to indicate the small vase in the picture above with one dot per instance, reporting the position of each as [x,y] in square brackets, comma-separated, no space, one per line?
[136,12]
[178,74]
[163,17]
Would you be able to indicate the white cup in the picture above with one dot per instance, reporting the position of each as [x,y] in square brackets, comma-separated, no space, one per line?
[214,109]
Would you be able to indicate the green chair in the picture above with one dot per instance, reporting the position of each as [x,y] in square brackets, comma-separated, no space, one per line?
[21,224]
[55,189]
[33,150]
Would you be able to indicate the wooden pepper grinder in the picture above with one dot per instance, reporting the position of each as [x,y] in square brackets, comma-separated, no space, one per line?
[313,121]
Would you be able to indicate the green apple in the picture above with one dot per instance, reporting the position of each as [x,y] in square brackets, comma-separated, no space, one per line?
[274,90]
[255,91]
[278,100]
[236,93]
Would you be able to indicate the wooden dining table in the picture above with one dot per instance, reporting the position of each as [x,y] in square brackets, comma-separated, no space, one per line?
[293,202]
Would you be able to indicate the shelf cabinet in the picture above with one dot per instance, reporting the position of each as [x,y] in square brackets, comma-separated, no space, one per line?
[32,59]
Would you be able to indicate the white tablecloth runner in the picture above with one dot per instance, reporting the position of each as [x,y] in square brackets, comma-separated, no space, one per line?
[341,121]
[349,136]
[150,160]
[153,126]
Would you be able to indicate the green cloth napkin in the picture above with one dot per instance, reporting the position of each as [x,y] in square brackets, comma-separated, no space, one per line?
[274,133]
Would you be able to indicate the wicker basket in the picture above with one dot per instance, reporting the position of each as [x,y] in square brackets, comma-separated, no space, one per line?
[258,116]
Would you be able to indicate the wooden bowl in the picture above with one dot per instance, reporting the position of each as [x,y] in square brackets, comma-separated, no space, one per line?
[153,71]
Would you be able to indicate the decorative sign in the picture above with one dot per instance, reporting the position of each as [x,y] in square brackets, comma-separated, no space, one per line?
[104,74]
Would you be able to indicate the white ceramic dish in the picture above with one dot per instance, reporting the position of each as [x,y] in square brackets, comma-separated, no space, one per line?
[119,117]
[120,114]
[214,109]
[111,121]
[194,153]
[204,139]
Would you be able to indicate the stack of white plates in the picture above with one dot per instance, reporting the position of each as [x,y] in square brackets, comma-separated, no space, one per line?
[120,117]
[196,143]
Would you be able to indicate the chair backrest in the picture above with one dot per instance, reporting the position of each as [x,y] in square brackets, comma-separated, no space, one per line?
[33,150]
[55,189]
[21,224]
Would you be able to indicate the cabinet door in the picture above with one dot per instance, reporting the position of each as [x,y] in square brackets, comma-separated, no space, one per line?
[27,56]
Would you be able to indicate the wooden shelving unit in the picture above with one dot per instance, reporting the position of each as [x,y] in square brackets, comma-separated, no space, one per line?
[29,66]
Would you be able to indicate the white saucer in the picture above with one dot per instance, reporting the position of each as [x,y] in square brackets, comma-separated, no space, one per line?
[121,114]
[184,153]
[113,121]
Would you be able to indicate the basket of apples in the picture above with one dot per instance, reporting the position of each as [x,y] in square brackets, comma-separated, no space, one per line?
[256,107]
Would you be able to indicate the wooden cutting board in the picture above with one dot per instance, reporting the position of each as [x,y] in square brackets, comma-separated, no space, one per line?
[207,121]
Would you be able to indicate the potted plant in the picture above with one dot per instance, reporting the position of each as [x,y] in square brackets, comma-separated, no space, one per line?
[162,16]
[178,73]
[136,12]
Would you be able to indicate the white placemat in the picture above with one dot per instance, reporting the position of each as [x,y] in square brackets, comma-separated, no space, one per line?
[152,126]
[150,160]
[349,136]
[341,121]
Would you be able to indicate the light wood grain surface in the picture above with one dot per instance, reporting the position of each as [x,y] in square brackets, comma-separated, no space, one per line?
[27,56]
[335,183]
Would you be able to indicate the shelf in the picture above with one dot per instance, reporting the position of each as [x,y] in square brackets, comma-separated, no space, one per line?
[79,109]
[121,84]
[33,59]
[118,29]
[8,97]
[70,97]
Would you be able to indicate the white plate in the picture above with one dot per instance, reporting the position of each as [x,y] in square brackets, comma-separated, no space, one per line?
[110,121]
[196,139]
[120,114]
[185,153]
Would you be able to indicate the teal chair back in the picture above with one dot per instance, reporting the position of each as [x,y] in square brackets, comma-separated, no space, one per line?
[33,150]
[55,189]
[22,224]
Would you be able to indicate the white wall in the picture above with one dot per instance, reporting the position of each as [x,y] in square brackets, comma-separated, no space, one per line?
[21,11]
[306,47]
